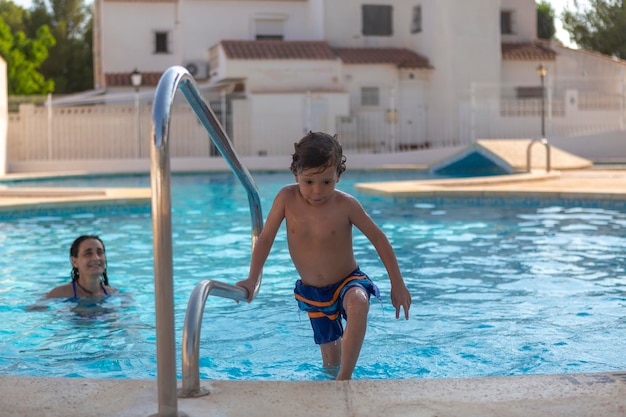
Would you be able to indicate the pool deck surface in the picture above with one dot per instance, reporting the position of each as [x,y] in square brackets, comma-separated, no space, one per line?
[593,183]
[576,395]
[580,395]
[20,198]
[596,183]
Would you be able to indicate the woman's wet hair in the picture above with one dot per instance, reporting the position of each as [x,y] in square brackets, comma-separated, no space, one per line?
[318,150]
[74,254]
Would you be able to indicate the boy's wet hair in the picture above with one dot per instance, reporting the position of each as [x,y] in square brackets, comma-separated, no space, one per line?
[74,254]
[318,150]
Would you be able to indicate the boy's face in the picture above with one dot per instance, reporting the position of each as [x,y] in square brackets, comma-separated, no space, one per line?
[317,185]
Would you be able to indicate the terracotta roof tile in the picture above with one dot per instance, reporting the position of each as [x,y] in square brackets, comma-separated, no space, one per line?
[402,57]
[534,51]
[313,50]
[271,49]
[319,50]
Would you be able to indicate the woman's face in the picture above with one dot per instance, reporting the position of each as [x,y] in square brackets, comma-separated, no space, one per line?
[91,259]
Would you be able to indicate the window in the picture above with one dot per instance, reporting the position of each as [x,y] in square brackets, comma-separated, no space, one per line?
[370,96]
[416,23]
[269,26]
[528,92]
[161,42]
[506,22]
[377,20]
[269,37]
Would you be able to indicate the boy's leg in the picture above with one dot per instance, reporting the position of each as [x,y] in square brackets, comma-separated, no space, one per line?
[356,304]
[331,356]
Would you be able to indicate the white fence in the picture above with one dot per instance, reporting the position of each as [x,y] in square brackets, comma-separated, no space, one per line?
[99,132]
[122,132]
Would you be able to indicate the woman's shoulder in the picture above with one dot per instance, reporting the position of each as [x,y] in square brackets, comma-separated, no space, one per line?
[62,291]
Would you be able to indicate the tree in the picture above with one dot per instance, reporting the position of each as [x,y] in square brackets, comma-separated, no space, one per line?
[71,61]
[600,27]
[15,16]
[24,56]
[545,20]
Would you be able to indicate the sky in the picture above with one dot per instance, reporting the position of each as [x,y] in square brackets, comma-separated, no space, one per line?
[557,5]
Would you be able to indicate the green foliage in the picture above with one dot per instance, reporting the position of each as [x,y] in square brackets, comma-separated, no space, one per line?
[71,63]
[15,16]
[545,20]
[599,27]
[47,48]
[24,56]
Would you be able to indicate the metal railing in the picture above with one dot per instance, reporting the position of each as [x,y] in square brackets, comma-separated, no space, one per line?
[173,79]
[545,143]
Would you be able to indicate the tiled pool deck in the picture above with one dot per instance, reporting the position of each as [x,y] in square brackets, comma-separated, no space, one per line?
[577,395]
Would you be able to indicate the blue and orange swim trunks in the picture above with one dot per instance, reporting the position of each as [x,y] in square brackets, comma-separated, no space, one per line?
[325,305]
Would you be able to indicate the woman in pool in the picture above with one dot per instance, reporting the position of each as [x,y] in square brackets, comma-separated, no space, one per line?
[89,273]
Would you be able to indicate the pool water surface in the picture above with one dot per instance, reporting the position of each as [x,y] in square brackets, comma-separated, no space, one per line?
[535,287]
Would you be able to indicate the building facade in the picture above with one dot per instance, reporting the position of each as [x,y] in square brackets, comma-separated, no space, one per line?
[387,76]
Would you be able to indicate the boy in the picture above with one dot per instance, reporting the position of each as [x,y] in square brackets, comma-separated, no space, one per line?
[319,222]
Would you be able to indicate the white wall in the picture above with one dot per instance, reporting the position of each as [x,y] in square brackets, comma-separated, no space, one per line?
[206,23]
[603,147]
[524,73]
[464,47]
[571,70]
[344,24]
[286,75]
[590,70]
[524,20]
[277,120]
[128,33]
[383,76]
[194,26]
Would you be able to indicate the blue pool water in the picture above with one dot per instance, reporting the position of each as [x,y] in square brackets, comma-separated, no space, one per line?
[499,288]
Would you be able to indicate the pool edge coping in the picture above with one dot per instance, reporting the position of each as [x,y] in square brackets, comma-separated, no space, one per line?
[585,394]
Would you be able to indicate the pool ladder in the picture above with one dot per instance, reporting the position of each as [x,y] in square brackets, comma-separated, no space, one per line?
[545,143]
[173,79]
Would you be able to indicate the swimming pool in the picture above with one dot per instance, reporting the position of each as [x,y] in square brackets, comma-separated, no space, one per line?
[529,288]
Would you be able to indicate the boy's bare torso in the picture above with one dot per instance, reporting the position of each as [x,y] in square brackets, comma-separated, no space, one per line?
[319,237]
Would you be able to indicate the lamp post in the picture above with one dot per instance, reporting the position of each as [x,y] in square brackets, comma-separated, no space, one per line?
[135,80]
[543,71]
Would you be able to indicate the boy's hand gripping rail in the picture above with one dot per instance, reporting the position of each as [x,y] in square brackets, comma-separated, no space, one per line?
[173,79]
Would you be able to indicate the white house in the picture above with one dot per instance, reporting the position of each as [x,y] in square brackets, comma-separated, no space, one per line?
[386,75]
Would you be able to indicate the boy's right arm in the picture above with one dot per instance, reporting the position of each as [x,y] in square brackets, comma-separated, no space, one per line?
[264,243]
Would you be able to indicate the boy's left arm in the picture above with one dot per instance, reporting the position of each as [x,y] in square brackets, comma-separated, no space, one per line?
[400,296]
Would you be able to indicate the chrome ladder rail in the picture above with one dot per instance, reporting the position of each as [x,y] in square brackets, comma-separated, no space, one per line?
[175,78]
[545,143]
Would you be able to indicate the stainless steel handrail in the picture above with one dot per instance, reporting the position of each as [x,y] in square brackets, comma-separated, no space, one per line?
[173,79]
[545,143]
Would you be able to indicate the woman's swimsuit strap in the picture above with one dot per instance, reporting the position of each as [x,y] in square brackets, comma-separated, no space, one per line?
[76,295]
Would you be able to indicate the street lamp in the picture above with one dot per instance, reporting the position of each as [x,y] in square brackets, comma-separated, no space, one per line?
[543,71]
[135,80]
